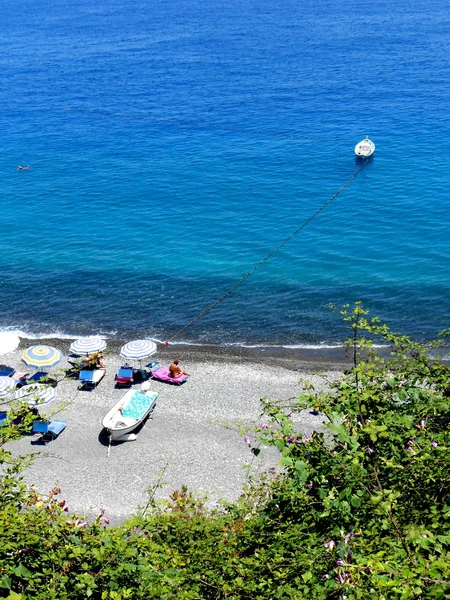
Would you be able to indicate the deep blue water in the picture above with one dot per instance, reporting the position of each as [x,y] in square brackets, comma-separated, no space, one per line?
[167,158]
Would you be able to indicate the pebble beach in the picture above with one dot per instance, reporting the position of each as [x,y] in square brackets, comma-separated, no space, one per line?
[192,438]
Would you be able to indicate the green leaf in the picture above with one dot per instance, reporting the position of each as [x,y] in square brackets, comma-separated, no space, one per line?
[22,571]
[14,596]
[5,582]
[307,576]
[302,470]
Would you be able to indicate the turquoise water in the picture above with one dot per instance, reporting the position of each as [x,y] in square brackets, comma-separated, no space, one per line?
[167,158]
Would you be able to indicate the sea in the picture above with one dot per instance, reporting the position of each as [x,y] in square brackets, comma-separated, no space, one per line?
[173,146]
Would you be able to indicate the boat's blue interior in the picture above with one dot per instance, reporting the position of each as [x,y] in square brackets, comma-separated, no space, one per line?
[138,405]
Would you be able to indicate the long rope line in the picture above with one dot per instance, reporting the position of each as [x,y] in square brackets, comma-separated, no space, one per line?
[266,258]
[200,125]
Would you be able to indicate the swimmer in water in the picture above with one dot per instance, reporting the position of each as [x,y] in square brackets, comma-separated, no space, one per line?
[20,168]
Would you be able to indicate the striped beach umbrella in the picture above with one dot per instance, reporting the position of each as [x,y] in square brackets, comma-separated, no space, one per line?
[6,386]
[88,345]
[8,342]
[36,393]
[138,349]
[41,357]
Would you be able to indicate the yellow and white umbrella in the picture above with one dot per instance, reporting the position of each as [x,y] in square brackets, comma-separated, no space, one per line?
[41,357]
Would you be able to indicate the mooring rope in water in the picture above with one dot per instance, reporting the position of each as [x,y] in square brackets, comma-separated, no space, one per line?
[200,125]
[271,253]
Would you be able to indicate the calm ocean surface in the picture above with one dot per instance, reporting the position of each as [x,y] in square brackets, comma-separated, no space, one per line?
[167,158]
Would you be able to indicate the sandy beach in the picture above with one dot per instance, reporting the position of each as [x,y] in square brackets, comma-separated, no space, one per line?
[186,438]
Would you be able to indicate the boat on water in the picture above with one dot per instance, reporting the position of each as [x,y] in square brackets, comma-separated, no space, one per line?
[365,148]
[129,412]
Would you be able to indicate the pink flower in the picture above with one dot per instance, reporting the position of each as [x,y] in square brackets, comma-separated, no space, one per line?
[81,523]
[330,545]
[247,439]
[264,426]
[434,444]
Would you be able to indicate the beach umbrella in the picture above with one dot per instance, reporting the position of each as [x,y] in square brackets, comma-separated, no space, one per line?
[88,345]
[8,342]
[138,349]
[6,386]
[36,393]
[41,357]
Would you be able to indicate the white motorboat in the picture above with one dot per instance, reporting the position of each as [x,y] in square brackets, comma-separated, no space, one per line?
[129,412]
[365,148]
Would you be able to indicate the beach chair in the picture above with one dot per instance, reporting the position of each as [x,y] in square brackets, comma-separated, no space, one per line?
[76,365]
[3,418]
[19,378]
[162,374]
[90,379]
[6,371]
[44,432]
[40,376]
[125,376]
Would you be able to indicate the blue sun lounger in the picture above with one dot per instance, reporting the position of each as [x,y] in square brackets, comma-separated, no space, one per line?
[90,379]
[125,376]
[7,371]
[44,432]
[40,376]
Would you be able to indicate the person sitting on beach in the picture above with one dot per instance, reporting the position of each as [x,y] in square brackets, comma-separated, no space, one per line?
[175,371]
[94,361]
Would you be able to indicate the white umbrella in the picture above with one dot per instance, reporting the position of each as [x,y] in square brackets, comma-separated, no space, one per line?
[138,349]
[88,345]
[8,342]
[6,386]
[36,393]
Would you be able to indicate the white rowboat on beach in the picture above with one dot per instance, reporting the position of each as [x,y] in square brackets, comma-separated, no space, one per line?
[365,148]
[128,413]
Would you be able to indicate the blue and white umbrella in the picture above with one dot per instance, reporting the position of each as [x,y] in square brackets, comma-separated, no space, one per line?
[41,357]
[88,345]
[138,349]
[36,394]
[7,385]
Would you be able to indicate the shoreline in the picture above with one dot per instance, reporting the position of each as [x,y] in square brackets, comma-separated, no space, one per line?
[327,358]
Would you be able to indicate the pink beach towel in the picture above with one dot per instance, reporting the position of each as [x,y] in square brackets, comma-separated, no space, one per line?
[162,374]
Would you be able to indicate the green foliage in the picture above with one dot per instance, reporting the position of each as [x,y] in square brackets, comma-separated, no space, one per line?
[360,510]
